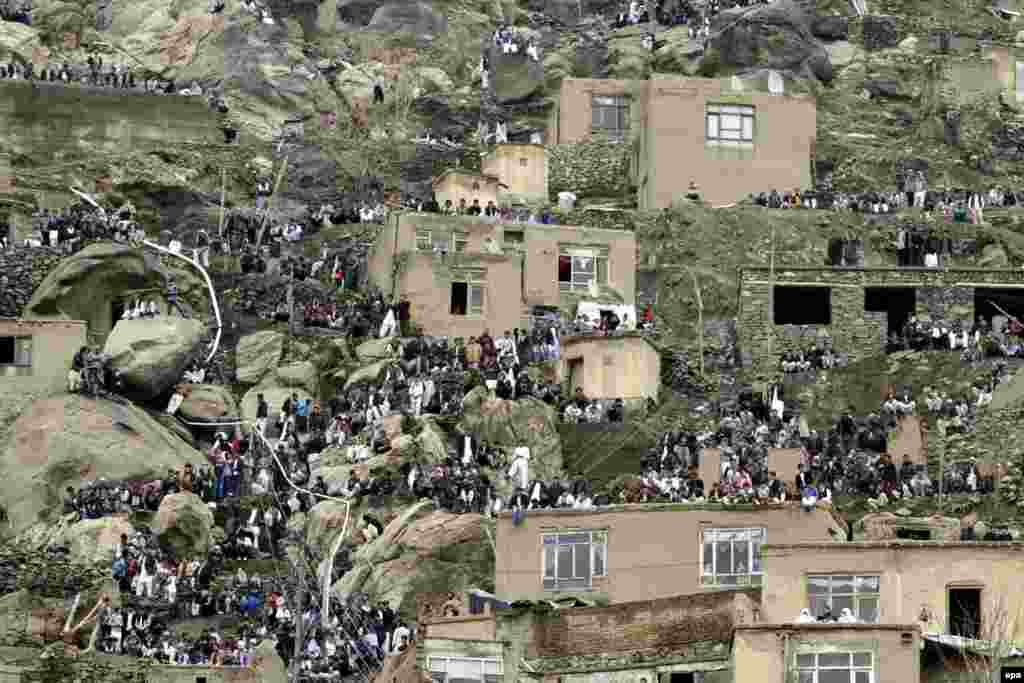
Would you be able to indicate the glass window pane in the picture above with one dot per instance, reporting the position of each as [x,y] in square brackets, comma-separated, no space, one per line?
[491,667]
[463,669]
[806,677]
[582,561]
[565,561]
[833,676]
[805,661]
[862,677]
[833,660]
[817,585]
[476,296]
[868,610]
[730,122]
[709,558]
[817,604]
[840,603]
[549,561]
[842,584]
[595,116]
[728,134]
[748,128]
[437,664]
[866,584]
[741,557]
[598,559]
[550,539]
[723,558]
[755,556]
[862,659]
[712,126]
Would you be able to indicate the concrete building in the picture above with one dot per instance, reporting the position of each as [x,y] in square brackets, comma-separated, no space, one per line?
[730,142]
[948,588]
[793,307]
[522,168]
[463,275]
[38,353]
[457,183]
[626,367]
[644,552]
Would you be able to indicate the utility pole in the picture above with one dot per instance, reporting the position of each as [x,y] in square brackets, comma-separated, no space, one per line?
[223,194]
[700,321]
[771,295]
[941,425]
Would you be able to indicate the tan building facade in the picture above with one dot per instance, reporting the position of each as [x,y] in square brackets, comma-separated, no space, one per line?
[848,652]
[626,367]
[731,143]
[456,184]
[644,552]
[39,352]
[953,588]
[522,170]
[463,275]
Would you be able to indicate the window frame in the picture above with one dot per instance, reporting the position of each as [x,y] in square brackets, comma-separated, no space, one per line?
[856,596]
[600,256]
[597,549]
[460,240]
[424,239]
[753,558]
[473,279]
[482,661]
[20,341]
[618,107]
[816,667]
[716,111]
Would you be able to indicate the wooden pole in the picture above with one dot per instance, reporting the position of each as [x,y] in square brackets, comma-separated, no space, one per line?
[700,321]
[771,295]
[270,202]
[223,194]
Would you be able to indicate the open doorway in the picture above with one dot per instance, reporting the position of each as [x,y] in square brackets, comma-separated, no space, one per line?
[682,677]
[575,374]
[460,298]
[965,612]
[914,534]
[897,303]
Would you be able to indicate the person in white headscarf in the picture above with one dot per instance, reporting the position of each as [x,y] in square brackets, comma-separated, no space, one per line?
[847,617]
[805,617]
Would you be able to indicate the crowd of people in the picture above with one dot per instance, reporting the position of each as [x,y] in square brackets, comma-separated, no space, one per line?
[75,226]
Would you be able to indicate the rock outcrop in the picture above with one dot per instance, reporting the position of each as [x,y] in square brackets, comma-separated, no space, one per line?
[267,664]
[92,540]
[257,354]
[207,403]
[152,353]
[183,524]
[416,18]
[69,440]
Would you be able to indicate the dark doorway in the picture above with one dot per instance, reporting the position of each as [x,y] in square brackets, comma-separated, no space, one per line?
[460,298]
[914,534]
[116,311]
[965,612]
[682,677]
[987,303]
[575,373]
[802,305]
[897,303]
[6,350]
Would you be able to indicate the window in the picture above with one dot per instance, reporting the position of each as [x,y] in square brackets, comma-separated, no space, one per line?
[513,237]
[16,351]
[802,305]
[424,240]
[965,612]
[1020,81]
[730,124]
[573,559]
[468,293]
[476,185]
[523,162]
[835,667]
[731,557]
[859,594]
[464,670]
[578,268]
[609,116]
[459,242]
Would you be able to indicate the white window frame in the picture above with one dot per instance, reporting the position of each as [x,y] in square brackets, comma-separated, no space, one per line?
[620,106]
[1019,79]
[808,670]
[424,240]
[475,280]
[732,125]
[754,574]
[440,675]
[460,240]
[22,351]
[599,256]
[597,546]
[856,597]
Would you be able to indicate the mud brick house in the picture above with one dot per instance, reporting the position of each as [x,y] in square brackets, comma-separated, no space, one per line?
[681,639]
[627,553]
[730,142]
[522,168]
[457,183]
[39,352]
[857,308]
[625,366]
[463,275]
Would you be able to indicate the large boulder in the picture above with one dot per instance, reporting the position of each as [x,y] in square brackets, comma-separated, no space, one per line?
[207,403]
[183,524]
[86,285]
[92,541]
[367,373]
[302,374]
[416,18]
[525,422]
[375,349]
[358,12]
[267,664]
[152,353]
[257,354]
[517,78]
[832,27]
[69,440]
[776,36]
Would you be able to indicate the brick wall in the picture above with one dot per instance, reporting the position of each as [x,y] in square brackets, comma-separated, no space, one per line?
[643,627]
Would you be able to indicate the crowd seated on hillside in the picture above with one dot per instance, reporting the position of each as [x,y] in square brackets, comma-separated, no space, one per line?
[18,11]
[818,357]
[74,227]
[96,74]
[974,342]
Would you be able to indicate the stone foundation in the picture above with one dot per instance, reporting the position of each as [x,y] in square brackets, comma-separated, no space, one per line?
[594,169]
[25,268]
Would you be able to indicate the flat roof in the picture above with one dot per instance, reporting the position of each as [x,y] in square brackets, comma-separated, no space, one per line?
[628,334]
[657,507]
[443,218]
[873,269]
[792,626]
[30,321]
[467,172]
[898,545]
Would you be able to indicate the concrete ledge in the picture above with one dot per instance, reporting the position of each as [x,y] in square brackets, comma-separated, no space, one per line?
[791,626]
[874,545]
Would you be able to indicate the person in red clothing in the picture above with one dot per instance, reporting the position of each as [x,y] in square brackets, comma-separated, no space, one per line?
[647,321]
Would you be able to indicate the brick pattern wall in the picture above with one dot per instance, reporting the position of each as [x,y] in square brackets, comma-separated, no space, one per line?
[589,169]
[25,268]
[640,627]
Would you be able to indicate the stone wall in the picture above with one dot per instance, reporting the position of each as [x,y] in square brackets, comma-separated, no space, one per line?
[589,169]
[946,294]
[46,573]
[25,268]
